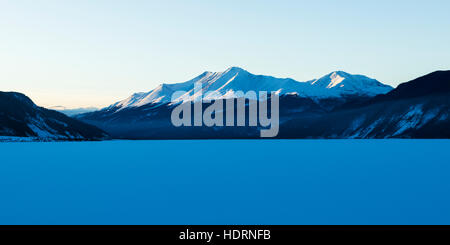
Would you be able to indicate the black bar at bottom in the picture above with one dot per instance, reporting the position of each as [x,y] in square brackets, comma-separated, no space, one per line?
[227,234]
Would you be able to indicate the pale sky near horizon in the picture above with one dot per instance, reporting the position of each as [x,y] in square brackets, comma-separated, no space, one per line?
[81,53]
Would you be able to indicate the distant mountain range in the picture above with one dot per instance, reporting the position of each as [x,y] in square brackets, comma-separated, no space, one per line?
[74,111]
[20,117]
[338,105]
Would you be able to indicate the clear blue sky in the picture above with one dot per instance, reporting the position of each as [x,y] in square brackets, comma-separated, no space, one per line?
[92,53]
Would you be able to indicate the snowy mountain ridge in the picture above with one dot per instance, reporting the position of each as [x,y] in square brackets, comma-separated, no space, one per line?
[221,85]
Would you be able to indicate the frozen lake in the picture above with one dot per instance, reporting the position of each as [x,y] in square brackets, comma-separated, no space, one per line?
[226,182]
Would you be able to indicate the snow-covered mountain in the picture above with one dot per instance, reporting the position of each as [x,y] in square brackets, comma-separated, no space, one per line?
[22,120]
[415,109]
[217,85]
[340,83]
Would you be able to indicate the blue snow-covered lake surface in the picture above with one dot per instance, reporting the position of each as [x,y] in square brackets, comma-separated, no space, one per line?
[226,182]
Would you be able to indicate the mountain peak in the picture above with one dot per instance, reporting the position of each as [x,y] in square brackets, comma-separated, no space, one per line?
[346,83]
[235,69]
[340,73]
